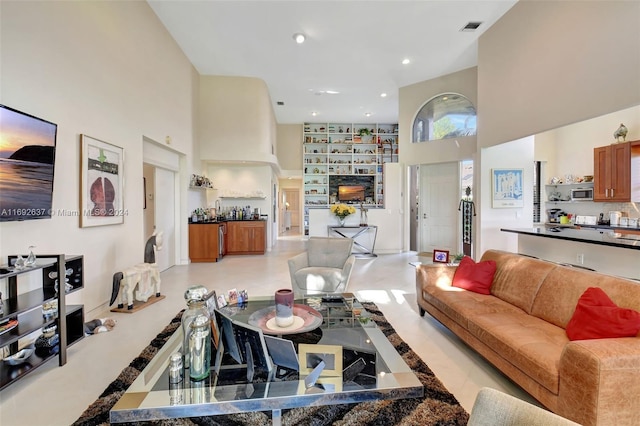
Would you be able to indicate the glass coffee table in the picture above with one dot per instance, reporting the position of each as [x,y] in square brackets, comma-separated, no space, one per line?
[345,324]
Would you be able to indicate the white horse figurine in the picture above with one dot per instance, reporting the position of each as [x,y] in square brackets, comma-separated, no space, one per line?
[144,276]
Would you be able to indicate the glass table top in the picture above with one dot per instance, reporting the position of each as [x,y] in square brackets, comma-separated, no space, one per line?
[346,325]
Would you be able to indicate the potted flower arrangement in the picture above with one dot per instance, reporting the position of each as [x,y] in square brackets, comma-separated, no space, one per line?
[341,211]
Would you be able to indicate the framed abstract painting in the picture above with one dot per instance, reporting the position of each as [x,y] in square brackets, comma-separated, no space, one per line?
[101,183]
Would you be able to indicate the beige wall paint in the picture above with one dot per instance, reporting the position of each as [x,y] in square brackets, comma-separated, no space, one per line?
[109,70]
[542,66]
[289,139]
[236,121]
[413,97]
[548,64]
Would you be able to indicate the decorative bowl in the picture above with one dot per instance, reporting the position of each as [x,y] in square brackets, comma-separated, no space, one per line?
[19,357]
[49,330]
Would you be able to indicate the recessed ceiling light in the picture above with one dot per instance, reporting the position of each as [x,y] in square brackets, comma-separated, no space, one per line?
[299,38]
[331,92]
[368,114]
[314,113]
[406,61]
[383,95]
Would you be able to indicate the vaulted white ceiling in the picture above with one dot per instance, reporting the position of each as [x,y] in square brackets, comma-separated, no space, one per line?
[355,48]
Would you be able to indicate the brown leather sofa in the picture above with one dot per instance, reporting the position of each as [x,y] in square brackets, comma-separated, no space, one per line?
[520,329]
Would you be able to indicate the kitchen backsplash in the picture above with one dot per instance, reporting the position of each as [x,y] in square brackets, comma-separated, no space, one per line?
[590,208]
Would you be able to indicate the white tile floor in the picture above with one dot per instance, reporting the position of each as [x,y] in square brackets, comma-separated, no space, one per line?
[55,395]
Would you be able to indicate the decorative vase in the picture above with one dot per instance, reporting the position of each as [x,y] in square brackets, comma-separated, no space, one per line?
[284,307]
[341,220]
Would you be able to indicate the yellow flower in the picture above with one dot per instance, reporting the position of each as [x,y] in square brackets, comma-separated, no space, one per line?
[342,210]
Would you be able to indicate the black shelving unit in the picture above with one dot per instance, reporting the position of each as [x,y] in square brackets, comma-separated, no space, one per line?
[26,307]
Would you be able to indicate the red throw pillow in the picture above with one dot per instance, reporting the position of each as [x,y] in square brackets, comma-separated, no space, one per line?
[598,317]
[476,277]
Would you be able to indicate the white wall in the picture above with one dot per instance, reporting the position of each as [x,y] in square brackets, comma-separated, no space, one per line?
[546,64]
[236,121]
[569,150]
[390,220]
[512,155]
[109,70]
[413,97]
[243,180]
[585,63]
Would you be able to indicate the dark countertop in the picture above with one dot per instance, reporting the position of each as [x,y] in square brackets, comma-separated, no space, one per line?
[215,222]
[607,227]
[590,236]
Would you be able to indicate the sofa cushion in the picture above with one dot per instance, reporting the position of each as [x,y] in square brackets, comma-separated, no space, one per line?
[558,295]
[530,344]
[459,304]
[319,279]
[597,317]
[517,278]
[476,277]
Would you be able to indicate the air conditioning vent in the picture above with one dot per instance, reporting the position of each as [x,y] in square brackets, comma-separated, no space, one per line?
[471,26]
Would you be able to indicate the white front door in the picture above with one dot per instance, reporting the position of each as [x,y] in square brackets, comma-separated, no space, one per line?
[438,209]
[165,216]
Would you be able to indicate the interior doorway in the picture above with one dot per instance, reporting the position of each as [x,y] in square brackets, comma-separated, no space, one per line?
[159,211]
[435,194]
[290,208]
[439,192]
[162,169]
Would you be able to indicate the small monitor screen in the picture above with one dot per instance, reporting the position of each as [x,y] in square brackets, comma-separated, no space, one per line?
[351,193]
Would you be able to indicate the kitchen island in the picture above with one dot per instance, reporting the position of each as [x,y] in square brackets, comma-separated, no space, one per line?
[606,251]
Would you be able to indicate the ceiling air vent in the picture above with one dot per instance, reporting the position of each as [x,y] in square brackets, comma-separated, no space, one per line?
[280,103]
[471,26]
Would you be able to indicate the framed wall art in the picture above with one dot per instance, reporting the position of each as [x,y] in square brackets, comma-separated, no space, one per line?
[506,188]
[441,256]
[101,183]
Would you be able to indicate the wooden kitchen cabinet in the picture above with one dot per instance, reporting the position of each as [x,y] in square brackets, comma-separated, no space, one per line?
[246,237]
[612,173]
[203,242]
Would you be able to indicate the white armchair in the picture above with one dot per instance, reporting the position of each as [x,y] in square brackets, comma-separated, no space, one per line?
[324,268]
[495,408]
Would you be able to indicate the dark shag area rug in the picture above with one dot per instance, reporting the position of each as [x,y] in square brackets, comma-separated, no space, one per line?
[437,407]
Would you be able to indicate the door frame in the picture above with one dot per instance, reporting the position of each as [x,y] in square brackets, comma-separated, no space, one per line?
[159,155]
[415,186]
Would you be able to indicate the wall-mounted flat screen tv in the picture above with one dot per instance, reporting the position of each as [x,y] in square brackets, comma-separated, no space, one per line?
[27,158]
[351,193]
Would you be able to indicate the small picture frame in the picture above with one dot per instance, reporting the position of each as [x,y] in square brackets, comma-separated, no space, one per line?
[310,355]
[222,301]
[441,256]
[232,296]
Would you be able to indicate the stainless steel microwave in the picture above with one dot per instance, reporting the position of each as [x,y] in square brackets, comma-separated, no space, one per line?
[582,194]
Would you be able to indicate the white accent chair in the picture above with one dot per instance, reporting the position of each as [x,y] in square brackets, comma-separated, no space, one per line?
[494,408]
[324,268]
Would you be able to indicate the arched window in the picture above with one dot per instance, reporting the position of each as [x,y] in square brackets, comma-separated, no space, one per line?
[445,116]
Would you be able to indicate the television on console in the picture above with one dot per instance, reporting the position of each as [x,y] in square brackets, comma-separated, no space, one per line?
[351,193]
[27,159]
